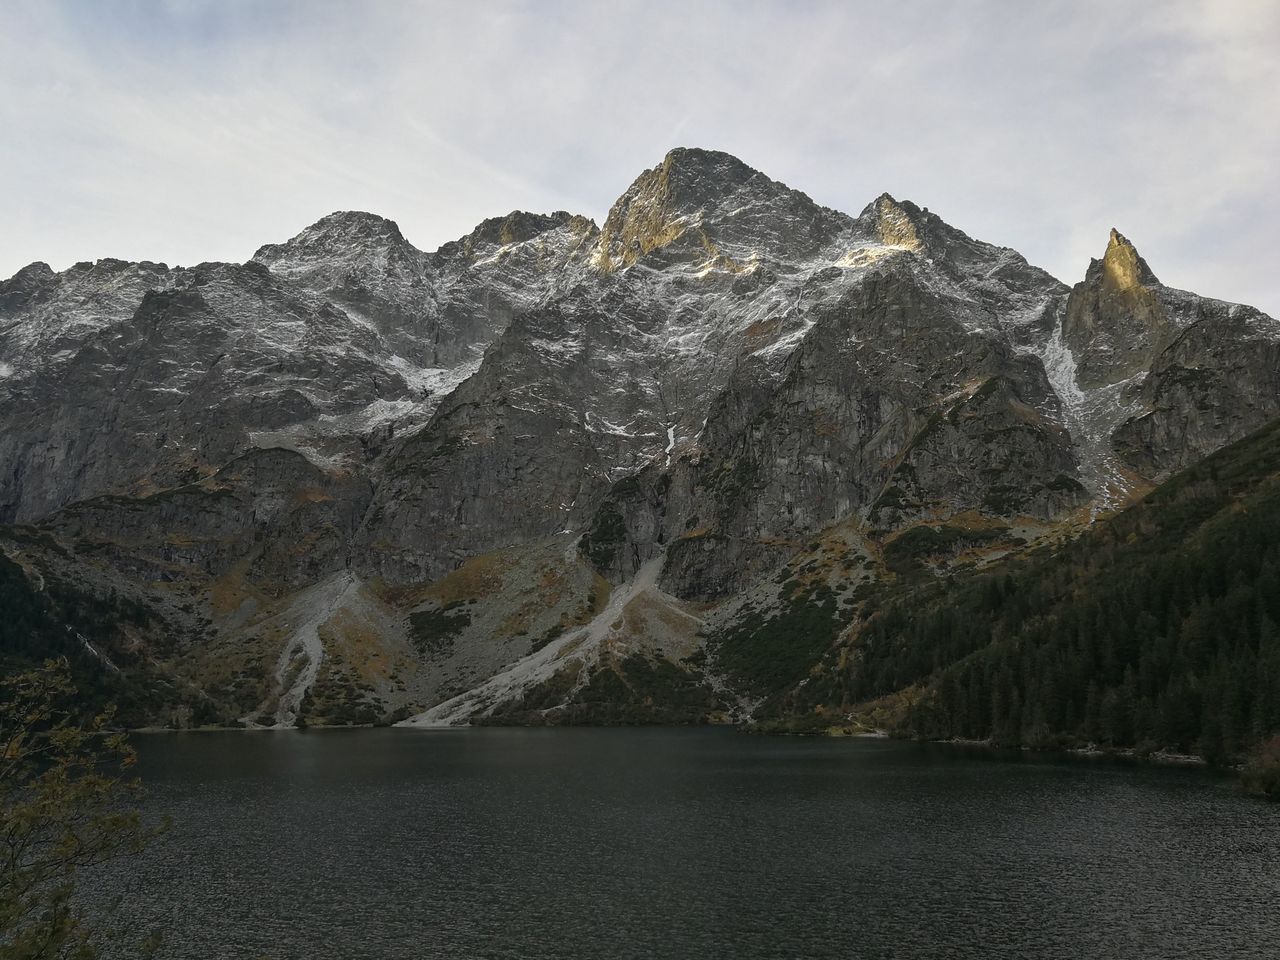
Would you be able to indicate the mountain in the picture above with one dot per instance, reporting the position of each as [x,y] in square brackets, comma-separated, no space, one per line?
[555,472]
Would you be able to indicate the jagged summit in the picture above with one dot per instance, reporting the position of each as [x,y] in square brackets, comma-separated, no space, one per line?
[35,269]
[355,222]
[335,234]
[902,223]
[1018,294]
[698,209]
[708,206]
[1122,266]
[1116,321]
[24,284]
[693,173]
[517,226]
[893,223]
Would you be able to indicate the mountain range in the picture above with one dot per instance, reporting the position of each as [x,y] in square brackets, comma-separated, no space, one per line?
[684,466]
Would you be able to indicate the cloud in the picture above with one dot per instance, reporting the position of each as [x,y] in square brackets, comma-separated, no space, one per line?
[191,130]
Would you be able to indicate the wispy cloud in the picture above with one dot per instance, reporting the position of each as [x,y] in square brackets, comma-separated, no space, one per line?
[196,130]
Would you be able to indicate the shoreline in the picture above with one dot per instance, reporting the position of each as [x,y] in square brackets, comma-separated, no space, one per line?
[1090,751]
[1161,757]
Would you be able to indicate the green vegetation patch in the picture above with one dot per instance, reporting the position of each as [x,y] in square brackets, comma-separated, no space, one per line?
[919,544]
[640,690]
[338,699]
[433,631]
[57,620]
[766,652]
[607,534]
[634,690]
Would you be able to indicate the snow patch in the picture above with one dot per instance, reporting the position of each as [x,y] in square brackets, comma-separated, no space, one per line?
[372,415]
[868,256]
[1060,367]
[1090,416]
[434,380]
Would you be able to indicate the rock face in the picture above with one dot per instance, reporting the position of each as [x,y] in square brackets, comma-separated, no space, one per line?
[272,512]
[1217,382]
[710,208]
[314,454]
[1193,374]
[434,310]
[1115,322]
[167,388]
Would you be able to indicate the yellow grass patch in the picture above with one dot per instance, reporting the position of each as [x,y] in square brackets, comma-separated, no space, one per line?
[311,495]
[359,644]
[229,591]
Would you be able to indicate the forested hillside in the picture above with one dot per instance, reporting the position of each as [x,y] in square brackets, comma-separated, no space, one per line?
[47,617]
[1157,630]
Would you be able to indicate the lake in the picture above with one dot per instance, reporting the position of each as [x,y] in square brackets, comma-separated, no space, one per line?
[670,843]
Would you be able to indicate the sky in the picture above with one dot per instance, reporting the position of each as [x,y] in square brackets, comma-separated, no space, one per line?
[184,131]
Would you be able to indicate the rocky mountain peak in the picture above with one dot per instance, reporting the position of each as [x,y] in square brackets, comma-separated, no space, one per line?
[516,227]
[335,237]
[893,223]
[691,174]
[1115,321]
[995,276]
[32,273]
[709,207]
[25,284]
[1122,267]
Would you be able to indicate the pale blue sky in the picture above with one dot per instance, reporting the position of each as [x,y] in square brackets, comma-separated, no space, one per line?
[186,131]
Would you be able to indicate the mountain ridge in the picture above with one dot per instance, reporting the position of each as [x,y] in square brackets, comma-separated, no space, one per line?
[458,457]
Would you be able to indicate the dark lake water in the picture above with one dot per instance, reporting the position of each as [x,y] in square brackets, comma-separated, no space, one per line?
[686,844]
